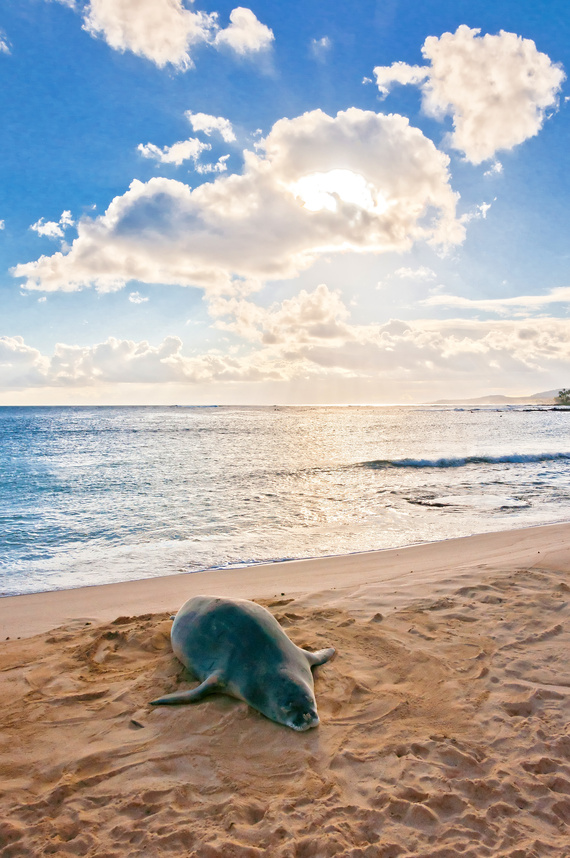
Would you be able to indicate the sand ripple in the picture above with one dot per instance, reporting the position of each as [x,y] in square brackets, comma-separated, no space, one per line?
[444,733]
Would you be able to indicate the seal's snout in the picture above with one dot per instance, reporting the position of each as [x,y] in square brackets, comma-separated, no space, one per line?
[304,721]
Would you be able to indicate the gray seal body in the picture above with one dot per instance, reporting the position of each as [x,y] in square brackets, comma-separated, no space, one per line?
[237,647]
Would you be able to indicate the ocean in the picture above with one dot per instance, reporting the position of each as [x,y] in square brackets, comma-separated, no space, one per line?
[99,495]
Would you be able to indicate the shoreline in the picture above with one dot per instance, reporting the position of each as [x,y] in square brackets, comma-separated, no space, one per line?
[29,614]
[277,561]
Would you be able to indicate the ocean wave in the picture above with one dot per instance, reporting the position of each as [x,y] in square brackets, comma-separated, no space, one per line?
[462,461]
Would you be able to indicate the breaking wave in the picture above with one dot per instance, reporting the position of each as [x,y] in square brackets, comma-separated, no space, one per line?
[462,461]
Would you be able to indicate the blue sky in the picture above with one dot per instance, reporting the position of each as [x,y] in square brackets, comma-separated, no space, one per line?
[299,202]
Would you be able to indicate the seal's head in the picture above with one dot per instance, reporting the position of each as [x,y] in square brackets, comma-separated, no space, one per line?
[295,703]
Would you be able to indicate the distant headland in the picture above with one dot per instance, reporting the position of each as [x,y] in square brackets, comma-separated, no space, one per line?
[547,397]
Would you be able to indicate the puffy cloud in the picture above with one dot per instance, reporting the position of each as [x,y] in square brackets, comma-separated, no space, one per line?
[359,181]
[2,224]
[137,298]
[207,123]
[4,44]
[185,150]
[479,212]
[496,88]
[191,149]
[399,72]
[13,351]
[316,316]
[51,228]
[308,338]
[495,169]
[220,166]
[20,365]
[245,34]
[117,361]
[163,31]
[310,334]
[453,352]
[524,303]
[305,318]
[120,362]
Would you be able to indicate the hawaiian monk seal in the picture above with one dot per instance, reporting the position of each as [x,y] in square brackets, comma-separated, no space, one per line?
[236,647]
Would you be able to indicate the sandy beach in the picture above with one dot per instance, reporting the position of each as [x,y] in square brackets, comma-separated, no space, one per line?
[444,714]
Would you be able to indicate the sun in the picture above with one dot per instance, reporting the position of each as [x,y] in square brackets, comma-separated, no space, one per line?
[324,191]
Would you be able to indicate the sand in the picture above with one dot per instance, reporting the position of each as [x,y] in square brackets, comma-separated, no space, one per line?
[444,715]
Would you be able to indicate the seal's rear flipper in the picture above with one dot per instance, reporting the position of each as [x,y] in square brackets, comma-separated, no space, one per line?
[319,657]
[209,686]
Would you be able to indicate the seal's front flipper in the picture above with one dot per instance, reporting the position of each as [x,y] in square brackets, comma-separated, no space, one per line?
[209,686]
[319,657]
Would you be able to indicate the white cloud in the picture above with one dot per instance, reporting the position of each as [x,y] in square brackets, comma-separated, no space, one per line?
[119,362]
[308,338]
[53,229]
[496,88]
[421,273]
[20,365]
[245,34]
[220,166]
[310,334]
[2,224]
[320,47]
[559,295]
[137,298]
[185,150]
[307,317]
[163,31]
[49,229]
[479,212]
[400,73]
[207,123]
[359,181]
[495,169]
[4,44]
[453,352]
[191,149]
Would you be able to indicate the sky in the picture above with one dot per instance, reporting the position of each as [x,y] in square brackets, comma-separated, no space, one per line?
[284,202]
